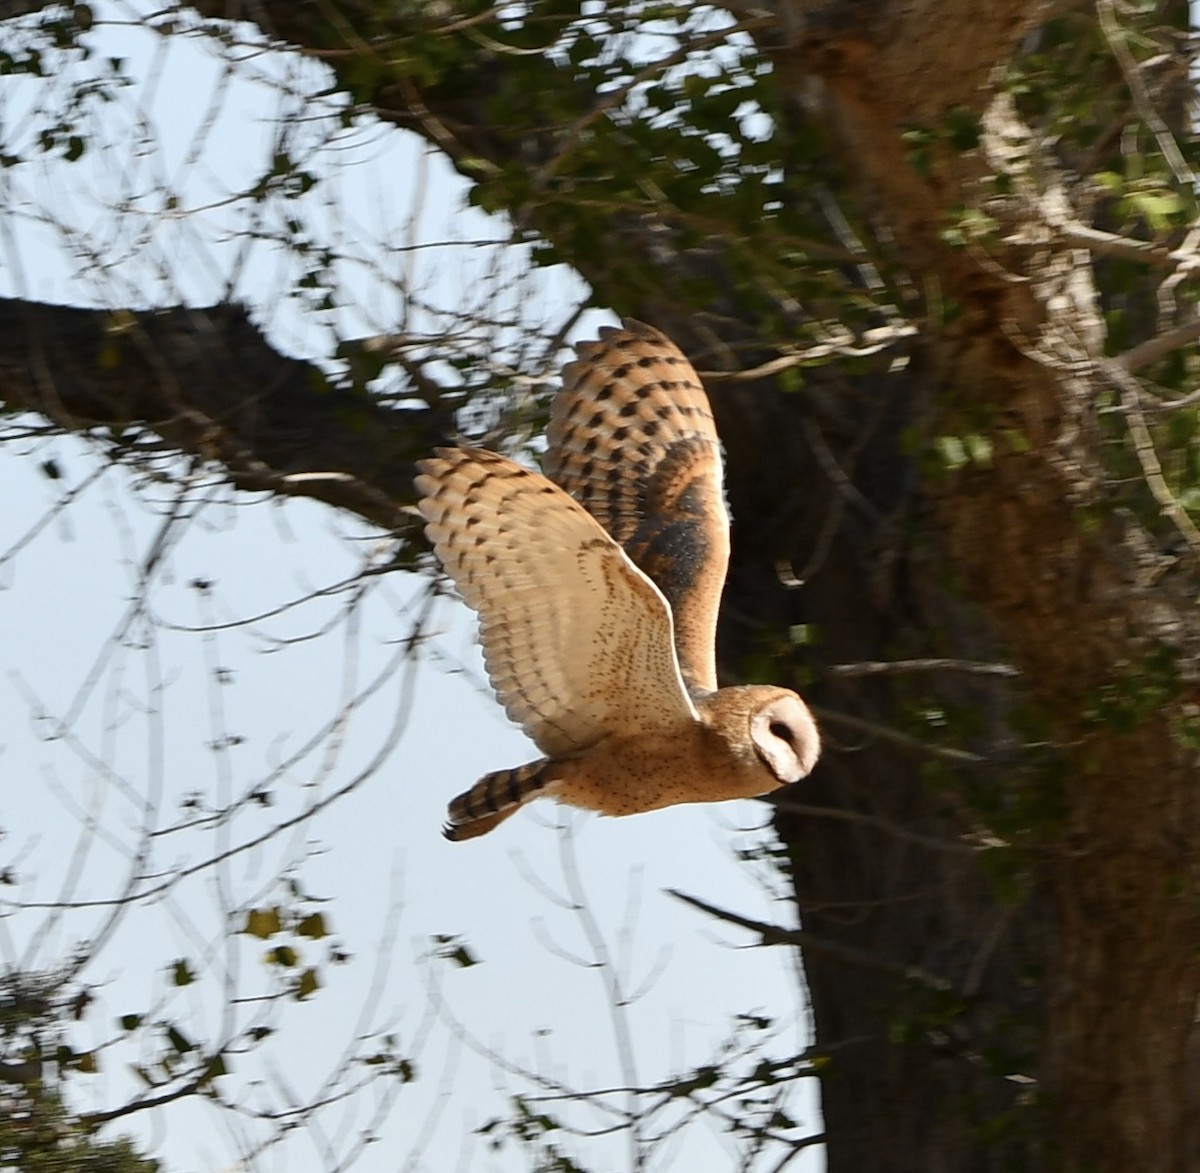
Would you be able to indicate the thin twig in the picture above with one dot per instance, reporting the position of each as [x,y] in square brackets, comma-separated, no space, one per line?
[1130,393]
[884,826]
[1148,111]
[900,667]
[1143,252]
[961,757]
[841,346]
[1160,346]
[778,935]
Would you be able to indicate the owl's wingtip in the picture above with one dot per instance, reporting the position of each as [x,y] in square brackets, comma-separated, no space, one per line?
[587,349]
[431,466]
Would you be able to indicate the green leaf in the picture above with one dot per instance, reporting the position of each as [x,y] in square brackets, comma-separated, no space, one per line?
[919,154]
[462,956]
[979,448]
[263,922]
[309,983]
[283,955]
[1016,441]
[1157,207]
[755,1021]
[215,1067]
[313,927]
[952,451]
[962,129]
[180,1043]
[130,1021]
[452,949]
[703,1077]
[181,973]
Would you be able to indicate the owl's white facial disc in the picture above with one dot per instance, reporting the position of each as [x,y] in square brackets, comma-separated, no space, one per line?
[785,738]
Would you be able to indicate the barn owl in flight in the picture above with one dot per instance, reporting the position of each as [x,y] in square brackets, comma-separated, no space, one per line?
[597,587]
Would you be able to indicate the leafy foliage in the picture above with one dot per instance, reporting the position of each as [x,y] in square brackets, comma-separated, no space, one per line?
[37,1132]
[38,1135]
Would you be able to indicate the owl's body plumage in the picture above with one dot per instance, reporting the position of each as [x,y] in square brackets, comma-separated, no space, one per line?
[597,592]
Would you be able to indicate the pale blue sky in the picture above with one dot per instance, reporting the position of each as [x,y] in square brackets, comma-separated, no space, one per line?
[376,855]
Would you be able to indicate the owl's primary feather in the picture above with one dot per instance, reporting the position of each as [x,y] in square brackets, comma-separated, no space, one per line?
[598,599]
[577,640]
[632,438]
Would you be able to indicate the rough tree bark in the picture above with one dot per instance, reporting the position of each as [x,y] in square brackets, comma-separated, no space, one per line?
[1031,914]
[1118,873]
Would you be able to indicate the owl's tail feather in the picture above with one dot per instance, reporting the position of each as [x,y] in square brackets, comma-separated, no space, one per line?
[493,798]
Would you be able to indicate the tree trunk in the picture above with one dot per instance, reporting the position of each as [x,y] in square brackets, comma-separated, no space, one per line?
[1104,654]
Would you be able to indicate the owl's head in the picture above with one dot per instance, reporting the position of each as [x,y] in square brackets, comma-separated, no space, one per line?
[769,730]
[785,737]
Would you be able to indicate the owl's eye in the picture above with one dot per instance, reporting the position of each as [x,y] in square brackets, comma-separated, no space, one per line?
[782,731]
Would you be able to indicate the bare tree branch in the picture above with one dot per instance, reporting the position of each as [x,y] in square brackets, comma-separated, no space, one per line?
[208,383]
[779,935]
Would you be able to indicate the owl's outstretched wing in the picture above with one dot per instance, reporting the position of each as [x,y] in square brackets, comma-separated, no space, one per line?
[577,640]
[632,439]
